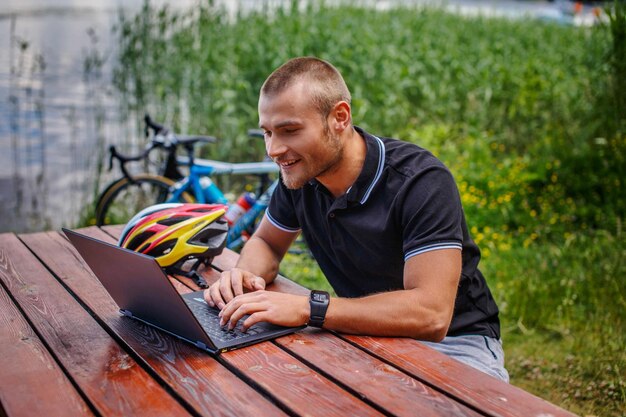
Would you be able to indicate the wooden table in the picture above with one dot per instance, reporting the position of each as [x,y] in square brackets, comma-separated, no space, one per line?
[66,351]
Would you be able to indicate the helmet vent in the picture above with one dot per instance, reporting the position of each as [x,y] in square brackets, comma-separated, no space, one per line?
[163,248]
[138,240]
[213,236]
[201,210]
[173,220]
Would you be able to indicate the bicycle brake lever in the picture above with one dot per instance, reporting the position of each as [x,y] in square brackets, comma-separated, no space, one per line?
[112,154]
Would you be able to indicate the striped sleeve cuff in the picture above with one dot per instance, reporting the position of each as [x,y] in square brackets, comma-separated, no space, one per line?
[431,247]
[281,226]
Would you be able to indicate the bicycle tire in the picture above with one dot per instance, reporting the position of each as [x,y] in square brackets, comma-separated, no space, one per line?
[123,198]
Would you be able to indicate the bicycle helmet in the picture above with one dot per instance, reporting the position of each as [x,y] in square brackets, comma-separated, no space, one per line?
[175,233]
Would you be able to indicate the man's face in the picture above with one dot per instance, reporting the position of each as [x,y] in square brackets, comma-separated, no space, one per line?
[297,138]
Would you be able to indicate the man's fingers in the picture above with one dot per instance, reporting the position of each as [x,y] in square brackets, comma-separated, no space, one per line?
[216,296]
[208,298]
[257,311]
[240,306]
[225,287]
[253,319]
[236,280]
[239,313]
[255,283]
[230,285]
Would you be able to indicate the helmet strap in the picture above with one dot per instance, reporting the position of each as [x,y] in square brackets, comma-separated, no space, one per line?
[192,273]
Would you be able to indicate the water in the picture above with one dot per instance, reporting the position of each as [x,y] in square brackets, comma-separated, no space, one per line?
[58,114]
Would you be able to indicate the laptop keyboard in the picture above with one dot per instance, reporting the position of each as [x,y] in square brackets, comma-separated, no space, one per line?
[208,318]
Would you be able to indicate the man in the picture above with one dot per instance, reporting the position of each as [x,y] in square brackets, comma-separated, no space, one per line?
[383,219]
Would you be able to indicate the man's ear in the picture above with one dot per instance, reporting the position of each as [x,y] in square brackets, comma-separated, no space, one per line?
[340,117]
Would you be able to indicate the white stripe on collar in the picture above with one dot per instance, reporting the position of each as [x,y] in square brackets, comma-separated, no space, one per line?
[379,170]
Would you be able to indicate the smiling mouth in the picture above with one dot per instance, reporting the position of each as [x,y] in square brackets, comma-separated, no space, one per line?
[287,164]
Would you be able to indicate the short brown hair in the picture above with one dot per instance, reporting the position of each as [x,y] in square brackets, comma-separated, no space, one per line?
[327,84]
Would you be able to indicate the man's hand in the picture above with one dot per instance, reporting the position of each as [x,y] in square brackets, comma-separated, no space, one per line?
[231,284]
[268,306]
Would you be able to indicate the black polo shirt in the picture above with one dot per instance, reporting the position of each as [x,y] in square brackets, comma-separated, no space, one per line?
[404,202]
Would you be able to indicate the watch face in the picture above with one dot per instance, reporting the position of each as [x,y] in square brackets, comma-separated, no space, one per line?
[319,297]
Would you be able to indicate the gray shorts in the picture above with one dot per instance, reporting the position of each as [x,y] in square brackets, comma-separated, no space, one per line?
[480,352]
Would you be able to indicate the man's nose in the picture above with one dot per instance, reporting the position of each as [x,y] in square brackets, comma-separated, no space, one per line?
[274,147]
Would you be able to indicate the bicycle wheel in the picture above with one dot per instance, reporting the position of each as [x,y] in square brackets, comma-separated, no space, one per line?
[123,198]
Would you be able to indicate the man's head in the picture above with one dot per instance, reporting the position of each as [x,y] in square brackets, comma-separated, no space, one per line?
[326,85]
[304,110]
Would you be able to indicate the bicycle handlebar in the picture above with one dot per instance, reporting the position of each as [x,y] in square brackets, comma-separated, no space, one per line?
[163,138]
[156,128]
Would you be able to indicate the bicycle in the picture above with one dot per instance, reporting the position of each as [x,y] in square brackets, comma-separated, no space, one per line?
[127,195]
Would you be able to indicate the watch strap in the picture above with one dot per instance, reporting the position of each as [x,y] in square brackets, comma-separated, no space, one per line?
[318,302]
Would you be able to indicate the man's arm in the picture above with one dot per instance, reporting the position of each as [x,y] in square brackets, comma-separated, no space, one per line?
[257,265]
[264,251]
[423,310]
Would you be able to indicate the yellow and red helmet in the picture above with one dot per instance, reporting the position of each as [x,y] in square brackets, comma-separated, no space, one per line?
[175,233]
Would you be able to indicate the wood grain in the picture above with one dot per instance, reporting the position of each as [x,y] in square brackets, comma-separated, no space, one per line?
[111,380]
[299,388]
[198,378]
[462,382]
[393,390]
[32,382]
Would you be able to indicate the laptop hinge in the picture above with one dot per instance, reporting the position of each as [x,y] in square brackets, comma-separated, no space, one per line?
[126,313]
[201,346]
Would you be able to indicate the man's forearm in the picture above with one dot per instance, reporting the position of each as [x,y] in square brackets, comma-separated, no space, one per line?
[258,258]
[397,313]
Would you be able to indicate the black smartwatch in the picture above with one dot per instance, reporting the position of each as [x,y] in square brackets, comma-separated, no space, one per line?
[319,304]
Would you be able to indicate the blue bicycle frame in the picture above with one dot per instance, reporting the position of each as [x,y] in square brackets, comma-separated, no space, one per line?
[206,192]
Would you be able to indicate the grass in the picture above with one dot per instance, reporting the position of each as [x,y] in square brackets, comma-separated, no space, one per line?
[564,327]
[529,116]
[585,379]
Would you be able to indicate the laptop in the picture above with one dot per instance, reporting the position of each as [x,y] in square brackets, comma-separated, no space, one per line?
[143,292]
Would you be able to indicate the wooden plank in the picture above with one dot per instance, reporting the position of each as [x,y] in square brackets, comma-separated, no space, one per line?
[198,378]
[114,230]
[302,390]
[111,380]
[404,396]
[32,382]
[464,383]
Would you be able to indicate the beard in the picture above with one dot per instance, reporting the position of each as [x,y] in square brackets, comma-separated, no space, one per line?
[322,162]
